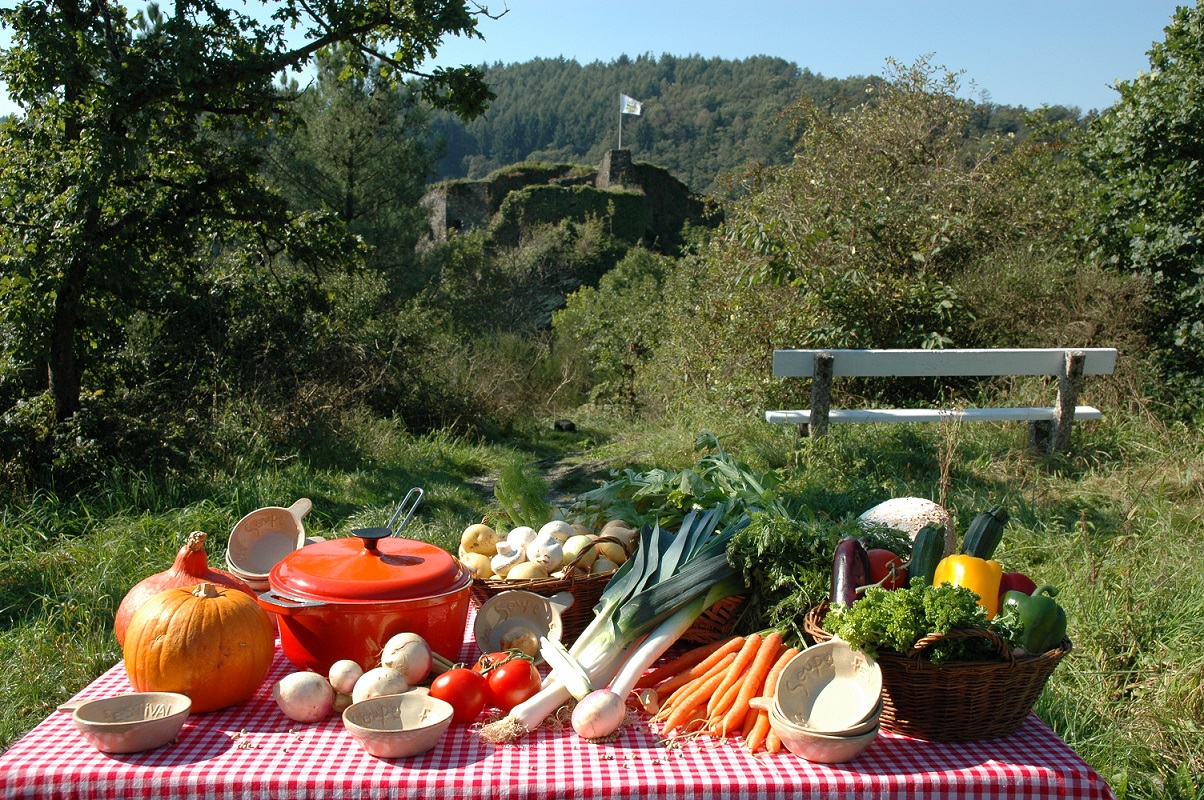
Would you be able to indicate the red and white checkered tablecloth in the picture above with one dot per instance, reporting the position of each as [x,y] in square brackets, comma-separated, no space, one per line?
[254,751]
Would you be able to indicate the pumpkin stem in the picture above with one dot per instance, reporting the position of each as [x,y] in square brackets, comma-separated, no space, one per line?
[196,541]
[206,590]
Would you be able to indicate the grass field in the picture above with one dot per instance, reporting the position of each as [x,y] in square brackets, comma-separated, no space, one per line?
[1116,523]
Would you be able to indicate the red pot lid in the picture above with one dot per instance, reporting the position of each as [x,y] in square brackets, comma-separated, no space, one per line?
[369,567]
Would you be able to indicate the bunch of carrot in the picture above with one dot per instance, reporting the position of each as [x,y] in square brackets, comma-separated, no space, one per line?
[708,689]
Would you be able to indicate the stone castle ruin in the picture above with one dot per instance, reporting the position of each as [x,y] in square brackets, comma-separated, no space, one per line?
[641,202]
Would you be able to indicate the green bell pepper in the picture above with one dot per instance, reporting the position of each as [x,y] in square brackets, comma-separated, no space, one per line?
[1043,619]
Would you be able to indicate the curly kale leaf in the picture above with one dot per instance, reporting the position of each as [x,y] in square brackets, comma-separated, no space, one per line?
[895,620]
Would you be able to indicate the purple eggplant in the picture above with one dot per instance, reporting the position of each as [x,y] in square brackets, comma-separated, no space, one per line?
[850,569]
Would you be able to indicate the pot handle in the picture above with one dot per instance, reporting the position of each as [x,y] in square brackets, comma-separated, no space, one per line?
[274,601]
[416,493]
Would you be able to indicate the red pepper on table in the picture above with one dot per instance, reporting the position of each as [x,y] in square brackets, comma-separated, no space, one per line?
[1015,581]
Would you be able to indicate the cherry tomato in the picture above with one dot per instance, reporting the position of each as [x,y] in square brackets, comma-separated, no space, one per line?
[512,682]
[881,562]
[464,689]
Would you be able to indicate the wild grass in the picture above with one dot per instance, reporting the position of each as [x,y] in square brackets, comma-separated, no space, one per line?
[1115,524]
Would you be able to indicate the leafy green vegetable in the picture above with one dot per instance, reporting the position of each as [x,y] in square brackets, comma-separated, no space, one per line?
[895,620]
[665,496]
[520,492]
[787,565]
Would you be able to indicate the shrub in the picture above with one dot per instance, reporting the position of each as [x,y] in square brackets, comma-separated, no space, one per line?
[891,228]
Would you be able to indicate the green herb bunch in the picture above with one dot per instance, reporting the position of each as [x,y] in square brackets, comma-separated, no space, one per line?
[665,496]
[896,619]
[520,493]
[786,563]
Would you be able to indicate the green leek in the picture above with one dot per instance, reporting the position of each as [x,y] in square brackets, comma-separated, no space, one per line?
[670,579]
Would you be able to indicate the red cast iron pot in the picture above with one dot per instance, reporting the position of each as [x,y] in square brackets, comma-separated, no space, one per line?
[345,598]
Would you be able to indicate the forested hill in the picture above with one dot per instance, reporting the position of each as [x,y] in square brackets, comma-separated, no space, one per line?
[701,116]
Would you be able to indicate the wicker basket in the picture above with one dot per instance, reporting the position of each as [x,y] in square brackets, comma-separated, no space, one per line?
[958,701]
[585,590]
[714,623]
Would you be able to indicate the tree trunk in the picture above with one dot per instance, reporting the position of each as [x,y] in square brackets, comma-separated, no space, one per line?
[64,368]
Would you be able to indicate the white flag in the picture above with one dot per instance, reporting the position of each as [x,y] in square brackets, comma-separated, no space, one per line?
[629,105]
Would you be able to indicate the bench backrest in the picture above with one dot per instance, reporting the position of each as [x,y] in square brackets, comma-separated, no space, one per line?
[937,363]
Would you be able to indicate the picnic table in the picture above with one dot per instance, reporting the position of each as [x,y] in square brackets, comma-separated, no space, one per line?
[253,751]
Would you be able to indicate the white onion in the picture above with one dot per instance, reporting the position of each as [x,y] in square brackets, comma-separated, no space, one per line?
[379,681]
[599,714]
[343,675]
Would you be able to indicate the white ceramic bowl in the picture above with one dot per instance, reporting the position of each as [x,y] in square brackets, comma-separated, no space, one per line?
[829,688]
[131,723]
[398,725]
[264,537]
[820,747]
[517,619]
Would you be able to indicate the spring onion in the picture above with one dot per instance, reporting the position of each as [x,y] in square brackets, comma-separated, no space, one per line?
[666,584]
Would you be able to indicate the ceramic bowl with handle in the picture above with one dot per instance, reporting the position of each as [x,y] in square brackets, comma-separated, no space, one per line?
[829,688]
[263,538]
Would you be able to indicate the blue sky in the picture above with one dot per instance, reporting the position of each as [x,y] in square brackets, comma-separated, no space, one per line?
[1066,52]
[1027,53]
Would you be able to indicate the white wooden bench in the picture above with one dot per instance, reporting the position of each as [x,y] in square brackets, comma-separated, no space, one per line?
[1049,426]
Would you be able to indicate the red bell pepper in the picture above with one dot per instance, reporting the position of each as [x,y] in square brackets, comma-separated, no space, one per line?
[1015,581]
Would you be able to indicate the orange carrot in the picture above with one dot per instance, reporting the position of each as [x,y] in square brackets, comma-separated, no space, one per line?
[673,699]
[750,719]
[668,686]
[695,700]
[753,682]
[759,730]
[716,710]
[680,664]
[771,680]
[722,665]
[736,671]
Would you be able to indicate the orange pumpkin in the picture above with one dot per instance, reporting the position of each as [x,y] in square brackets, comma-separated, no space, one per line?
[190,568]
[214,644]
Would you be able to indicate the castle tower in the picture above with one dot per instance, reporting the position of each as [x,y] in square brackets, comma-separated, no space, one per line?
[615,170]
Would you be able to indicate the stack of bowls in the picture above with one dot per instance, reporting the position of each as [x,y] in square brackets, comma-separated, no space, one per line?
[827,703]
[262,539]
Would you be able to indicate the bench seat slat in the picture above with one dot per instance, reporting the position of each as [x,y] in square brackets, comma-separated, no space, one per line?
[939,363]
[1019,414]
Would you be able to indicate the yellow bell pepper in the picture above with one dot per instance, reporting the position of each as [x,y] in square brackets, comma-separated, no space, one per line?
[976,574]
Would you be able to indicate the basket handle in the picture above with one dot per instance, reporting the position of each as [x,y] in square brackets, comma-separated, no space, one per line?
[573,563]
[1001,645]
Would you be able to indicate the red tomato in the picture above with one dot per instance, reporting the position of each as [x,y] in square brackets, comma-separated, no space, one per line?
[881,562]
[464,689]
[488,661]
[512,682]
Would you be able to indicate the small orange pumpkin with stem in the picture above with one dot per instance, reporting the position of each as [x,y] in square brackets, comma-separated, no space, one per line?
[190,567]
[214,644]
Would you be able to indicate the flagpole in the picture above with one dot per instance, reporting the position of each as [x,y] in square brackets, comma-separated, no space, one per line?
[620,123]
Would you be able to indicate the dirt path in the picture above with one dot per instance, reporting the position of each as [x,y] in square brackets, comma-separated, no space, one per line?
[567,477]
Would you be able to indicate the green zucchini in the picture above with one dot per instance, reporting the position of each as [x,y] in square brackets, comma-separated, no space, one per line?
[985,533]
[927,550]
